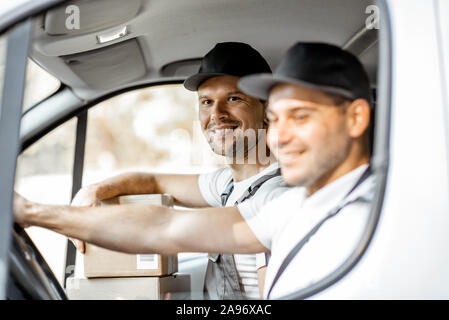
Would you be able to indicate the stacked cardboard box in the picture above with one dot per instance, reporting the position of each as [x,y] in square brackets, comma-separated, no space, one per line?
[116,275]
[172,287]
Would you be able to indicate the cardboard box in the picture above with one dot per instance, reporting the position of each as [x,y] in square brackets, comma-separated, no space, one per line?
[100,262]
[173,287]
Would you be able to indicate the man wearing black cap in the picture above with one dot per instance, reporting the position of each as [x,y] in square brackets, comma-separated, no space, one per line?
[319,112]
[226,115]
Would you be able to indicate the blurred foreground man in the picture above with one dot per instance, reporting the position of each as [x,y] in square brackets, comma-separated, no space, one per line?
[319,114]
[319,105]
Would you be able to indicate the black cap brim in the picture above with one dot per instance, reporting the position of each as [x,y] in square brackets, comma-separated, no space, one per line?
[260,85]
[193,82]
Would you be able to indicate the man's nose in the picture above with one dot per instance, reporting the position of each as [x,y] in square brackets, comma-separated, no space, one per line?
[281,133]
[219,111]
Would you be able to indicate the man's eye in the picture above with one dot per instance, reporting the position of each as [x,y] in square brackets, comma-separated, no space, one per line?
[271,118]
[301,117]
[206,102]
[233,98]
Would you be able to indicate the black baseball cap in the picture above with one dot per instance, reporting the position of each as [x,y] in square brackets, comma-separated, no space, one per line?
[317,66]
[228,59]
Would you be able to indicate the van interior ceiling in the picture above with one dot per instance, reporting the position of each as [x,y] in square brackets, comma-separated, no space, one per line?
[134,42]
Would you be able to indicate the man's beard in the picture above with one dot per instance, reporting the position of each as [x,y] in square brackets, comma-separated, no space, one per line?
[323,162]
[236,146]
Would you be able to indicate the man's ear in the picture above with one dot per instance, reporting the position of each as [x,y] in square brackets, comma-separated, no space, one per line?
[266,123]
[358,117]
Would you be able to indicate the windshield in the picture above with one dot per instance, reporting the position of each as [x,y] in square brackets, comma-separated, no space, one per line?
[39,85]
[3,47]
[8,5]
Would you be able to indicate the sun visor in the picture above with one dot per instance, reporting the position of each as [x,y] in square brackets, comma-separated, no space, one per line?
[78,17]
[110,66]
[182,68]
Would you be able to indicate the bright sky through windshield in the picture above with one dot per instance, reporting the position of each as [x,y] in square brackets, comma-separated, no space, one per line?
[7,5]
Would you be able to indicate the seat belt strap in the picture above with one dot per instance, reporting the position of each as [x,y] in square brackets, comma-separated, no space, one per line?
[307,237]
[78,166]
[251,191]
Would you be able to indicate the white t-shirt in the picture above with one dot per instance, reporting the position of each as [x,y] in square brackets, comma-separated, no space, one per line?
[295,215]
[213,184]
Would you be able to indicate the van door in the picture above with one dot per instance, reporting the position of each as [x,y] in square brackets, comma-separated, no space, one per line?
[14,54]
[15,30]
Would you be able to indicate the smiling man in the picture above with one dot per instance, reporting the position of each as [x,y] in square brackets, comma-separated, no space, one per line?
[319,112]
[234,125]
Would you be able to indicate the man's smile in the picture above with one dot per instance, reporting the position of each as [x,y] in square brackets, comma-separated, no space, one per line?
[290,157]
[223,130]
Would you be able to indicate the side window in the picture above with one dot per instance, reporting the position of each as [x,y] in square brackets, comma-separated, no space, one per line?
[39,85]
[44,174]
[153,129]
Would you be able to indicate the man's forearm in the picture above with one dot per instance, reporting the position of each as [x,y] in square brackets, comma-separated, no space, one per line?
[132,228]
[126,183]
[182,187]
[142,228]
